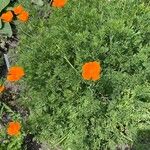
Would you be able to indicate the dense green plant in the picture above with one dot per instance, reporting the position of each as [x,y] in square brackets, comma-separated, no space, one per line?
[83,115]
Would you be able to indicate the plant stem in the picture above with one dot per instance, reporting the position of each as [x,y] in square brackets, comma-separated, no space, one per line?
[70,64]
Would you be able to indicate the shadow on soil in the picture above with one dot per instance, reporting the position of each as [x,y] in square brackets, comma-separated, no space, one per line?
[142,141]
[30,143]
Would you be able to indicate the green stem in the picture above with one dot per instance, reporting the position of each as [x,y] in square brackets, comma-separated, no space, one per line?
[61,140]
[70,64]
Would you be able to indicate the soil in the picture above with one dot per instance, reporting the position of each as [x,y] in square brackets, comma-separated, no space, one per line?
[30,143]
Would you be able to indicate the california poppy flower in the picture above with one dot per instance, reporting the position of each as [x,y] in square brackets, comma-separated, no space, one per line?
[2,88]
[23,16]
[59,3]
[15,74]
[7,17]
[18,10]
[91,71]
[13,128]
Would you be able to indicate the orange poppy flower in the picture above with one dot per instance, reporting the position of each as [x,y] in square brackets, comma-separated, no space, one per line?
[18,10]
[13,128]
[15,74]
[23,16]
[59,3]
[7,17]
[2,88]
[91,71]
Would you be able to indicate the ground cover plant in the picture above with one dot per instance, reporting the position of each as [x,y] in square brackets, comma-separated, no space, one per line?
[87,74]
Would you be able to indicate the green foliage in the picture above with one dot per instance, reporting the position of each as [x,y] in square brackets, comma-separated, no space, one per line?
[76,114]
[3,3]
[5,28]
[38,2]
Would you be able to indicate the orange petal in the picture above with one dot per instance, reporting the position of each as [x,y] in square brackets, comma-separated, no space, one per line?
[86,76]
[13,78]
[18,9]
[95,76]
[2,88]
[59,3]
[13,128]
[16,70]
[91,70]
[7,17]
[23,16]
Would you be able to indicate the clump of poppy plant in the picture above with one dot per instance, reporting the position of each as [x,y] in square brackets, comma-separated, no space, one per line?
[13,128]
[92,111]
[91,71]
